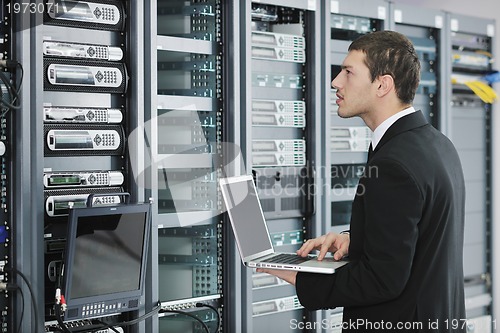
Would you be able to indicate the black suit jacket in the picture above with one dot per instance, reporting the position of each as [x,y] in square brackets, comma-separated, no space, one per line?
[407,229]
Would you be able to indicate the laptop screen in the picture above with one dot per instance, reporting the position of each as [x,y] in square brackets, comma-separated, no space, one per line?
[246,215]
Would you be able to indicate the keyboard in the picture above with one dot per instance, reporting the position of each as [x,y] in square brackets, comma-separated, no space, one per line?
[286,258]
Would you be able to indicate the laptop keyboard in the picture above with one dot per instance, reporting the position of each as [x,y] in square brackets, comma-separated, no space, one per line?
[287,258]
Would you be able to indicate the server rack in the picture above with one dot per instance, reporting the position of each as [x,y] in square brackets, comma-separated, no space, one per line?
[425,28]
[183,135]
[234,164]
[27,195]
[73,83]
[471,44]
[9,300]
[347,140]
[88,102]
[281,142]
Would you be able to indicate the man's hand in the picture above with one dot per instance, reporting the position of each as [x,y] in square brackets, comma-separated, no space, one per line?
[288,276]
[338,244]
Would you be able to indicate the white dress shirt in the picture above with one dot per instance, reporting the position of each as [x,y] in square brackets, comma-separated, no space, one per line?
[382,128]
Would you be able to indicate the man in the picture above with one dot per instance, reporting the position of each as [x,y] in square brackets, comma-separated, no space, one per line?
[405,241]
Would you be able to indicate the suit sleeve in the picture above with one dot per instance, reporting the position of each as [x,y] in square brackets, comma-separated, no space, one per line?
[393,206]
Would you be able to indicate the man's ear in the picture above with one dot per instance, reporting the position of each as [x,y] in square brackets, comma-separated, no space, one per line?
[385,85]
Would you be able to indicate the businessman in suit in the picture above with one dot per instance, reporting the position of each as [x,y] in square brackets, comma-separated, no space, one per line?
[405,242]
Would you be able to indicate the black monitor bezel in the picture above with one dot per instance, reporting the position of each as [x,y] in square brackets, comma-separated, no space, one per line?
[125,296]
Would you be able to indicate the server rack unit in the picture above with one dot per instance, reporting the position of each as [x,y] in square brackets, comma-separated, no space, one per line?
[184,129]
[425,28]
[86,112]
[348,140]
[471,44]
[280,142]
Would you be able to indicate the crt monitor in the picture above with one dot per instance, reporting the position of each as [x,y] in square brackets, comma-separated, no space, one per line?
[105,259]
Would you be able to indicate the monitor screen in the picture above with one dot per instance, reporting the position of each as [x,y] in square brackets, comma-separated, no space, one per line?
[105,259]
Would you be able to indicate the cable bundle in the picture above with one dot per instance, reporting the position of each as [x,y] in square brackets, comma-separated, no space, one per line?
[12,90]
[481,89]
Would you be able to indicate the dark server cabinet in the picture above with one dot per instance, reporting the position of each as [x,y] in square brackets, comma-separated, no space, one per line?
[86,106]
[70,139]
[281,142]
[470,45]
[11,76]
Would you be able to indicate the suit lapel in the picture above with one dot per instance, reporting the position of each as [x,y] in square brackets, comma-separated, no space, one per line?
[403,124]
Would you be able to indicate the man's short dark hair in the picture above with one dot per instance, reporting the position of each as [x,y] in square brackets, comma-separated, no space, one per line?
[392,53]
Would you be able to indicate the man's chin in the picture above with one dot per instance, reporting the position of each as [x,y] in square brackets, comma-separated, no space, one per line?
[343,114]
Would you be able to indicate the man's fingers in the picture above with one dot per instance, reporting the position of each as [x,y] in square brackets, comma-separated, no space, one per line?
[342,251]
[339,254]
[327,245]
[331,242]
[288,276]
[307,247]
[323,251]
[324,244]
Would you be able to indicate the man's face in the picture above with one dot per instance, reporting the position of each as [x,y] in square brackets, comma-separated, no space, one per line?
[355,89]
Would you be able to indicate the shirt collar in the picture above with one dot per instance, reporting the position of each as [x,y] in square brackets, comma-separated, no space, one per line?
[384,126]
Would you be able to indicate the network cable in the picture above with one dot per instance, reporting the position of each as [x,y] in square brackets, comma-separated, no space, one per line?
[485,92]
[106,325]
[158,309]
[154,311]
[62,325]
[12,287]
[480,89]
[205,327]
[28,284]
[200,305]
[22,309]
[151,313]
[12,90]
[492,77]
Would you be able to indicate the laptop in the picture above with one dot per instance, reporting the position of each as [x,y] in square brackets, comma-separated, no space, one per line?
[252,236]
